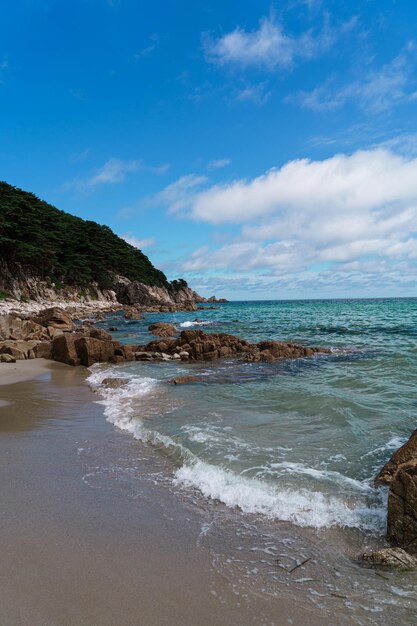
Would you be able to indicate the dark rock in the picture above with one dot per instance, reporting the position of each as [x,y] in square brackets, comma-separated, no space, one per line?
[90,350]
[43,350]
[113,329]
[63,350]
[402,509]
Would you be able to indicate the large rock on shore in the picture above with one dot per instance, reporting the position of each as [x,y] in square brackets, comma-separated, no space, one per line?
[406,456]
[402,510]
[400,473]
[19,349]
[63,350]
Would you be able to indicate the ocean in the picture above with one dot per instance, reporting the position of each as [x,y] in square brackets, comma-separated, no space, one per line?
[283,455]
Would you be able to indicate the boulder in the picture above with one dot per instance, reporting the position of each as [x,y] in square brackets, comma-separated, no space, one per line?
[143,356]
[90,350]
[406,456]
[43,350]
[185,380]
[202,346]
[15,328]
[19,348]
[402,509]
[394,558]
[114,383]
[63,349]
[98,333]
[7,358]
[163,329]
[55,317]
[133,315]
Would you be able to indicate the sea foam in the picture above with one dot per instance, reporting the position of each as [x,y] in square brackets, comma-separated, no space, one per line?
[301,507]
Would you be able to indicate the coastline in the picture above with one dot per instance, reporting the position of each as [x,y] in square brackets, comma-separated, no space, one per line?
[59,432]
[103,552]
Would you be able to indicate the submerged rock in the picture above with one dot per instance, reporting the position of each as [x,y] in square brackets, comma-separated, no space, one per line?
[114,383]
[185,380]
[395,558]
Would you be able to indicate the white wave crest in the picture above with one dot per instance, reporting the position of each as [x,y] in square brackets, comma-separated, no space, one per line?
[195,323]
[302,507]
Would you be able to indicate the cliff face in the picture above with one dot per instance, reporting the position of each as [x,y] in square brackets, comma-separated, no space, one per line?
[23,286]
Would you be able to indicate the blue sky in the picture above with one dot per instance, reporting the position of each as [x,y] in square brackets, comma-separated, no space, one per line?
[257,149]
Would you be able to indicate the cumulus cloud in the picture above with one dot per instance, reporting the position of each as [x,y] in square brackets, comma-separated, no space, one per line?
[377,90]
[351,214]
[268,47]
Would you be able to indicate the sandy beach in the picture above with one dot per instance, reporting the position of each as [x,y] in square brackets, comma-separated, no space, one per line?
[81,548]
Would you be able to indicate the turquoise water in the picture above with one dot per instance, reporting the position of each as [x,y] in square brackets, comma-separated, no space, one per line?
[299,440]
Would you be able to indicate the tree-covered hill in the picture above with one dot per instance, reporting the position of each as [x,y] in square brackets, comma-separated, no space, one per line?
[64,249]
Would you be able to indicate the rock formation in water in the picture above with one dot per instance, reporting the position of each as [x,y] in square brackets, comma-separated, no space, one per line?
[400,474]
[53,334]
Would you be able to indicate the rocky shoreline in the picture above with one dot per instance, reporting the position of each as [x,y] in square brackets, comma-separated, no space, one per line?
[30,332]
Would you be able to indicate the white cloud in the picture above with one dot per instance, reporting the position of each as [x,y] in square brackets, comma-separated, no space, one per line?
[268,46]
[343,184]
[348,214]
[218,164]
[139,243]
[377,90]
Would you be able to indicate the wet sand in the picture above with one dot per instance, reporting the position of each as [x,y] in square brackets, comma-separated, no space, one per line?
[83,546]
